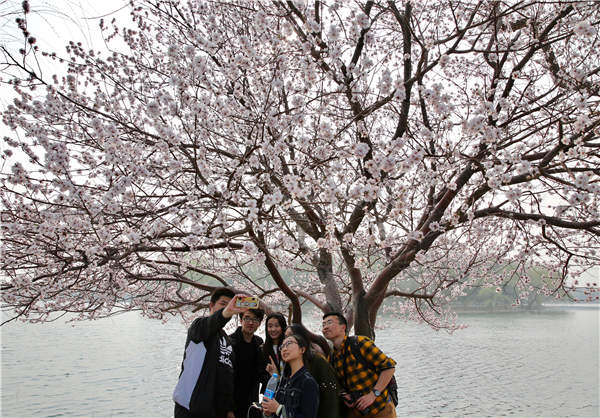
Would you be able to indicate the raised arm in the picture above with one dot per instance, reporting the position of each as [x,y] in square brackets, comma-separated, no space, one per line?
[205,327]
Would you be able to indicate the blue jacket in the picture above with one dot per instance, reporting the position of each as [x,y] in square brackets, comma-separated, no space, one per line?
[299,395]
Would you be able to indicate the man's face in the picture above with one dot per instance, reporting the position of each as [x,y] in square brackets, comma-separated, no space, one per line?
[332,328]
[250,323]
[220,303]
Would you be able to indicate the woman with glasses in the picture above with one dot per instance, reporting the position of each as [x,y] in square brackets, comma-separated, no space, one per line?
[323,373]
[298,393]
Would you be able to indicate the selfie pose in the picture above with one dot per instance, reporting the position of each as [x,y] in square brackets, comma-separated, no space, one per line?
[298,393]
[205,385]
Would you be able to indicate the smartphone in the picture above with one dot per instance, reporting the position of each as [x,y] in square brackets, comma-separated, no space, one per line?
[247,302]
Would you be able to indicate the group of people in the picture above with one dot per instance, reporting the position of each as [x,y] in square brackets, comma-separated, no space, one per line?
[222,375]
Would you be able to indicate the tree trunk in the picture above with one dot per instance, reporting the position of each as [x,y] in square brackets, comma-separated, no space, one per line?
[325,273]
[362,322]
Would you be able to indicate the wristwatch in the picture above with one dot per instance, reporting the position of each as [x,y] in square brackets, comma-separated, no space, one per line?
[376,392]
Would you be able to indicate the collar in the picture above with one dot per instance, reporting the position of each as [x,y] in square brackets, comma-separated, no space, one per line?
[299,373]
[240,336]
[341,349]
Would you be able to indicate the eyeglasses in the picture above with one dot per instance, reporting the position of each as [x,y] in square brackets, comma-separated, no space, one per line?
[248,319]
[287,344]
[330,322]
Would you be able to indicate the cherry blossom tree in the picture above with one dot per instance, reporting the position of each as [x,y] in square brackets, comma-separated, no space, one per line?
[340,153]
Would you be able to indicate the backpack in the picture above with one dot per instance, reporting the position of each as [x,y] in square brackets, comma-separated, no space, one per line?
[392,386]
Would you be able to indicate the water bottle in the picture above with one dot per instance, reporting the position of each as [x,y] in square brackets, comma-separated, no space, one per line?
[272,386]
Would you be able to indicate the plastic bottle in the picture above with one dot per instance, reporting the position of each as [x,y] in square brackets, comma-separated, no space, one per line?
[272,386]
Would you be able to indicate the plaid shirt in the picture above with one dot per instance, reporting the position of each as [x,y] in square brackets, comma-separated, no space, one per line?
[355,377]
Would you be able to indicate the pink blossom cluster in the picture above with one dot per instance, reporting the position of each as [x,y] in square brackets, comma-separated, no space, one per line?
[391,158]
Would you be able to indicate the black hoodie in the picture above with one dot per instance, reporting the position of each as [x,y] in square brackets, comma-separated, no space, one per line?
[205,385]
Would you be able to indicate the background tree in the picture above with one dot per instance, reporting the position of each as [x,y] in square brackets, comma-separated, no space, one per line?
[364,150]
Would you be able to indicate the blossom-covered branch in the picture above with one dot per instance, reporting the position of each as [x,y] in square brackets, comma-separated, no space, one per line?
[368,156]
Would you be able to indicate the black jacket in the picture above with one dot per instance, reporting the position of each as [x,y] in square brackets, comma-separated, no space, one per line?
[205,385]
[247,376]
[299,395]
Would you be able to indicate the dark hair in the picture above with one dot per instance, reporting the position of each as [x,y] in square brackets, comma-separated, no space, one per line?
[341,318]
[306,356]
[221,291]
[267,348]
[259,313]
[300,329]
[282,323]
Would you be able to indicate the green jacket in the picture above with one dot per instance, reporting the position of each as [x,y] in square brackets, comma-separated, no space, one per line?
[329,390]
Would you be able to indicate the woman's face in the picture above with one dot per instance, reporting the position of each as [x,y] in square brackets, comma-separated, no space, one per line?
[274,329]
[290,350]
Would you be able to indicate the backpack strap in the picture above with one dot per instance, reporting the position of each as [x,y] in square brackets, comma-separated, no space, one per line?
[353,343]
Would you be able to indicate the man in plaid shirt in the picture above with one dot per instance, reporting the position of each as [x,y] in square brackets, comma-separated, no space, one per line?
[365,385]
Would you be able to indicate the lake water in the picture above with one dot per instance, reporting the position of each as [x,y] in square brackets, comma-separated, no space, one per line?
[543,364]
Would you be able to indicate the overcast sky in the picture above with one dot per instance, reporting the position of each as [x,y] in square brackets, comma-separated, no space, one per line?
[54,23]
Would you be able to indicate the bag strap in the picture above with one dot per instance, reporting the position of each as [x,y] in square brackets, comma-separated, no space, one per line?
[353,340]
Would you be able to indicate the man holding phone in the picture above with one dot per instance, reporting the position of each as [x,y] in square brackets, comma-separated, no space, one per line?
[206,382]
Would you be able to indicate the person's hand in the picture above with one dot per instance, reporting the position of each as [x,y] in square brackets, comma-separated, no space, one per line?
[231,309]
[271,367]
[365,401]
[269,406]
[347,399]
[230,414]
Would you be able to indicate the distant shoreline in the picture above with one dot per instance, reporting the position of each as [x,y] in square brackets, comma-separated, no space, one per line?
[576,305]
[538,309]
